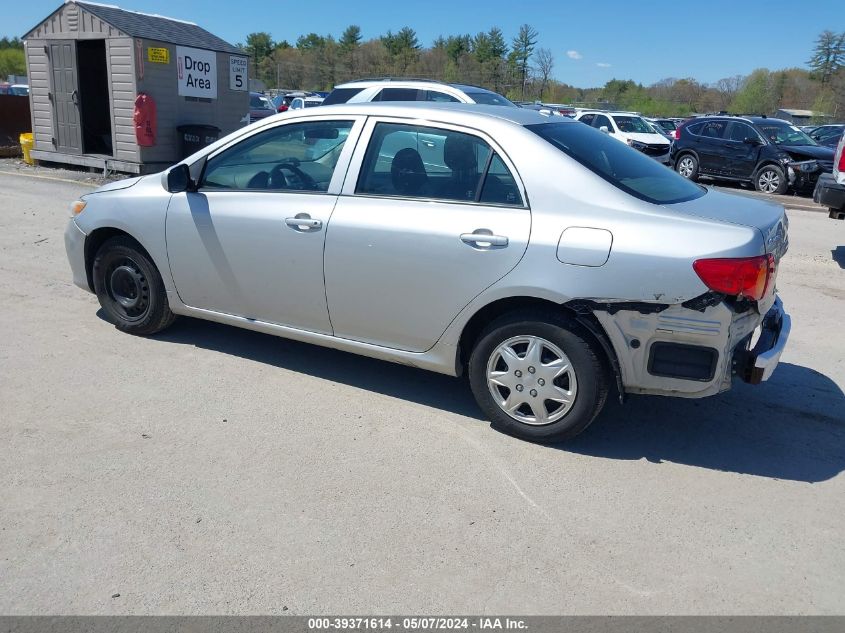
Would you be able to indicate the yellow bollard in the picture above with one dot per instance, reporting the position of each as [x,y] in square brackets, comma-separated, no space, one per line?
[27,143]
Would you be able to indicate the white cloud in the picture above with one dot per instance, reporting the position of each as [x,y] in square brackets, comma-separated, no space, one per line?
[603,65]
[573,55]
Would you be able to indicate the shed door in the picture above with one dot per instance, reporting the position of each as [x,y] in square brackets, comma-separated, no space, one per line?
[67,131]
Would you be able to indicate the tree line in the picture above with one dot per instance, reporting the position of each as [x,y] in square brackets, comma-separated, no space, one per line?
[12,61]
[519,69]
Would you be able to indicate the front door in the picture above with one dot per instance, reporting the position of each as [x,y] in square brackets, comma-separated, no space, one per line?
[742,149]
[64,86]
[250,241]
[434,217]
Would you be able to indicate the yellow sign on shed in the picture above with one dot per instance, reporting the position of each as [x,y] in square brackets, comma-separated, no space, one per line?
[158,55]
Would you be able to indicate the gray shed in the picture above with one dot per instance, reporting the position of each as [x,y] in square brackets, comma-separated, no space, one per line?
[87,65]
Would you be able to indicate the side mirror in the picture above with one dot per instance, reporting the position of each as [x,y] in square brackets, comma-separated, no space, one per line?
[604,129]
[179,179]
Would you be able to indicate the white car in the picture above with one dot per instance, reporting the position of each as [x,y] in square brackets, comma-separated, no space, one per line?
[305,102]
[367,90]
[629,128]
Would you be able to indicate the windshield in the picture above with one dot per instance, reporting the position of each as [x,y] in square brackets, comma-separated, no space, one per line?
[260,103]
[490,98]
[620,165]
[784,134]
[633,125]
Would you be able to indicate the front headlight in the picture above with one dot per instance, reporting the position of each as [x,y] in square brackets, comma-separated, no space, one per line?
[805,166]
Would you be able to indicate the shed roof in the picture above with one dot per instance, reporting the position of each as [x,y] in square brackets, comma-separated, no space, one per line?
[157,27]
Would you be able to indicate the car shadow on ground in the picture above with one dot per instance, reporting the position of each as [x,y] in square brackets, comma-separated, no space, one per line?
[792,427]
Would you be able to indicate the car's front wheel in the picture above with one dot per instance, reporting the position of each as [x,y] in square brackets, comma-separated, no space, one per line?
[537,376]
[130,288]
[687,166]
[770,179]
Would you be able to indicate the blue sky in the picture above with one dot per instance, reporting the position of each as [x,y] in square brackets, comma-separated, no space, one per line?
[592,42]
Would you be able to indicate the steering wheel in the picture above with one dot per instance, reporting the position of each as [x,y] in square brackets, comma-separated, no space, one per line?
[278,180]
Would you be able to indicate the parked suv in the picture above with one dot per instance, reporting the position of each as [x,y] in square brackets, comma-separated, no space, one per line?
[771,153]
[630,128]
[366,90]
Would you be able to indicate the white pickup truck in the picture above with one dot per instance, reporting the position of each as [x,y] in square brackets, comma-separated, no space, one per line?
[830,189]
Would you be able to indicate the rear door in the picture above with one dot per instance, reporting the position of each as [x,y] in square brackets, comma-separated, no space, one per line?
[413,241]
[64,90]
[712,147]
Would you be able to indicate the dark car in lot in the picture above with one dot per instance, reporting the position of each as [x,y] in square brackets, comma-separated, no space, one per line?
[259,107]
[828,135]
[770,153]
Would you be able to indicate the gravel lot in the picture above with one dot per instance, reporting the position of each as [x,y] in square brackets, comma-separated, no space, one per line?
[215,470]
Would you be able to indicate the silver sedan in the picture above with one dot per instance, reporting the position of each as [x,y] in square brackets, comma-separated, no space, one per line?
[552,264]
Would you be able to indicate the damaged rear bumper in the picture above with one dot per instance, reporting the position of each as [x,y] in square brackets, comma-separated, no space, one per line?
[693,351]
[757,364]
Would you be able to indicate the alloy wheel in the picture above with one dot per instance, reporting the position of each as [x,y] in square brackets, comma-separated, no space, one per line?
[686,167]
[769,181]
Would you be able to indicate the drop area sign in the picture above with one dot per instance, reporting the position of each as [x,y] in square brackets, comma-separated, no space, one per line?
[197,72]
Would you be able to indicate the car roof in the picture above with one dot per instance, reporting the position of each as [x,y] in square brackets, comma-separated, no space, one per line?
[611,113]
[460,113]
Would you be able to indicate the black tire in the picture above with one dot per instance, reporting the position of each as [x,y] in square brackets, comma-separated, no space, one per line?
[776,172]
[130,288]
[687,166]
[583,355]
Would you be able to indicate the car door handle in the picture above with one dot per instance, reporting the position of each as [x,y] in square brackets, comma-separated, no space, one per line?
[303,222]
[483,240]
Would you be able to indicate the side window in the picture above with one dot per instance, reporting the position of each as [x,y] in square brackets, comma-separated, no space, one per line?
[587,118]
[694,128]
[603,121]
[424,162]
[442,97]
[714,129]
[499,185]
[740,131]
[398,94]
[294,157]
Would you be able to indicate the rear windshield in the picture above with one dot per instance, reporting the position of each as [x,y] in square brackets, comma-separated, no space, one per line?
[341,95]
[666,125]
[489,98]
[620,165]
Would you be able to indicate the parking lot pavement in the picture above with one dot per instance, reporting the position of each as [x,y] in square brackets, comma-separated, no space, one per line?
[790,200]
[215,470]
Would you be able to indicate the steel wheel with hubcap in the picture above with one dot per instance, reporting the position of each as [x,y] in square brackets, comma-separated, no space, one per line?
[532,380]
[538,375]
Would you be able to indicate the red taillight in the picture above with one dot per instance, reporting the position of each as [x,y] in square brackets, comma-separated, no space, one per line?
[677,133]
[283,108]
[747,277]
[841,166]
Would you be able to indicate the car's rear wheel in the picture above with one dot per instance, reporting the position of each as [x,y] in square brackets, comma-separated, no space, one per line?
[770,179]
[130,288]
[537,376]
[687,166]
